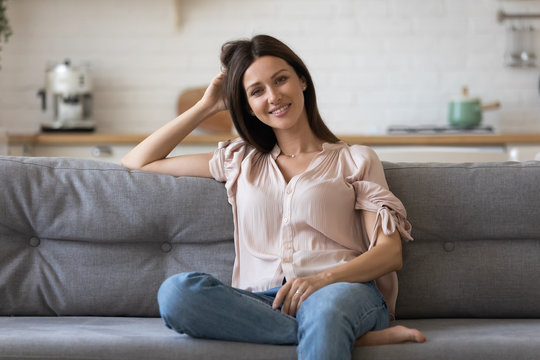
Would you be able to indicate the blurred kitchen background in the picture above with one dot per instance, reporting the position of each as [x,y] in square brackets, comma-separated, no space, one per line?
[375,63]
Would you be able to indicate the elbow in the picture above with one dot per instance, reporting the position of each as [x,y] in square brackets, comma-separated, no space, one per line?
[399,263]
[394,264]
[130,164]
[125,163]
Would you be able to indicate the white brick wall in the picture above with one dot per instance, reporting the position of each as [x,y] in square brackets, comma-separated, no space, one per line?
[374,62]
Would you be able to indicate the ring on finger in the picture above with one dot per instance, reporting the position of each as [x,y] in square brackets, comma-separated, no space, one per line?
[299,292]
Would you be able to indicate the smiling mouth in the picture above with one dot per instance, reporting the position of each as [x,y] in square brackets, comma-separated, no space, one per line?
[280,110]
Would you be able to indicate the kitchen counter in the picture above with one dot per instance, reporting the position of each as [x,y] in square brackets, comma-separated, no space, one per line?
[455,147]
[209,139]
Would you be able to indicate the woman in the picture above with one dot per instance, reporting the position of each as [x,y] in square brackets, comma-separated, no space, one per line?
[317,232]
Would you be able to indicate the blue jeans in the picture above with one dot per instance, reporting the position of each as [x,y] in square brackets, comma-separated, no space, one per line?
[325,327]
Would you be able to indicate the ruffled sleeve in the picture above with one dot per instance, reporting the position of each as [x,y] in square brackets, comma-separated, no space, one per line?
[226,163]
[372,194]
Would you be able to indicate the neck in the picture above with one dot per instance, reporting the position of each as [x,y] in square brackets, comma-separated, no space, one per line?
[298,139]
[292,145]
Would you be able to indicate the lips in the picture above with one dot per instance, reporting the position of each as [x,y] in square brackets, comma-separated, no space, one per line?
[280,110]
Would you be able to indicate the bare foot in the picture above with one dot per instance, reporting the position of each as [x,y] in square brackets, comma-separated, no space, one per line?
[393,335]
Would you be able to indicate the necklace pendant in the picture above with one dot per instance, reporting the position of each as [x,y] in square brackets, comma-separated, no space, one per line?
[293,156]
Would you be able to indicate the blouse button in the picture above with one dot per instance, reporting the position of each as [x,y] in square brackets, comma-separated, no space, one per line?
[285,220]
[289,191]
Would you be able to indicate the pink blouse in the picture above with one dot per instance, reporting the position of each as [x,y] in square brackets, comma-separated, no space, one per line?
[310,224]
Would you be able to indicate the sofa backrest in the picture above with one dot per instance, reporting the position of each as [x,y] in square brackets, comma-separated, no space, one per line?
[477,239]
[80,237]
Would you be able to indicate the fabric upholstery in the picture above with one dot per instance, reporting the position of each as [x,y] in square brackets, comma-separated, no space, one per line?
[84,237]
[477,239]
[60,338]
[94,241]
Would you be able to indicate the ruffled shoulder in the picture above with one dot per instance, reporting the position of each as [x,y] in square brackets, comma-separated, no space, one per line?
[226,163]
[366,164]
[227,157]
[372,193]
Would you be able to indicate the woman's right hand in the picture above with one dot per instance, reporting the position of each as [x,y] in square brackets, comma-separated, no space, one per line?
[214,97]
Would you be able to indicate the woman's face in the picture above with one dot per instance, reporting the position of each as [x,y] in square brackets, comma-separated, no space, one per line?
[275,93]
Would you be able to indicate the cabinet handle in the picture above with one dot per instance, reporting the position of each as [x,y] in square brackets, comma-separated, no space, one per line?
[102,151]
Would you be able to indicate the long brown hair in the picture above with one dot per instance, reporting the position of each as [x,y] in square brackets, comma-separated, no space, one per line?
[236,57]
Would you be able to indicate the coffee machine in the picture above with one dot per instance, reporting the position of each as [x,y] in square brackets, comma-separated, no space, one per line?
[68,93]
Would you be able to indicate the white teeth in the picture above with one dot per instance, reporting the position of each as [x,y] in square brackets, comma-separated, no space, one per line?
[280,110]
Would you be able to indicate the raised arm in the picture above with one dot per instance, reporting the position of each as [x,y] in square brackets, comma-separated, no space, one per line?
[151,153]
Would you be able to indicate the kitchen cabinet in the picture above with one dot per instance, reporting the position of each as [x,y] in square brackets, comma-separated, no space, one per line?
[396,148]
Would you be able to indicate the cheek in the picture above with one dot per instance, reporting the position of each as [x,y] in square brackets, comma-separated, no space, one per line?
[255,106]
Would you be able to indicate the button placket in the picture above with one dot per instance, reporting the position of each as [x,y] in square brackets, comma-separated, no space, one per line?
[287,238]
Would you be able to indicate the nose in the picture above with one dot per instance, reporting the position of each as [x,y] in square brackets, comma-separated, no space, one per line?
[274,96]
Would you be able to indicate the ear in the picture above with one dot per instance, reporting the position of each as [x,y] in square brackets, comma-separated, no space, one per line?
[304,83]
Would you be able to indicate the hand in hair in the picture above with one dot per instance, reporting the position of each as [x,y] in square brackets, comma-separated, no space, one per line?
[214,97]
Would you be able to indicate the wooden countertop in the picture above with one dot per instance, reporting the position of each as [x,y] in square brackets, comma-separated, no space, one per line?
[209,139]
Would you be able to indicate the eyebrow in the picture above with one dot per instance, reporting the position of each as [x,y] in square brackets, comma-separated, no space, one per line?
[272,77]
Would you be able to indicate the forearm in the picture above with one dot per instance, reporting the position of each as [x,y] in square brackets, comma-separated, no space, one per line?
[380,260]
[160,143]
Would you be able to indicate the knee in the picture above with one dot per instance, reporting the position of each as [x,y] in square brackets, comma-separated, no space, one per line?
[180,293]
[329,315]
[321,310]
[343,303]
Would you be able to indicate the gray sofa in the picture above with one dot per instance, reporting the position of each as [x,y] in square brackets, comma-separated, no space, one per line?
[85,245]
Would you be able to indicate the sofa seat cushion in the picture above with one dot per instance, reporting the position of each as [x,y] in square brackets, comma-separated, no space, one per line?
[147,338]
[468,339]
[117,338]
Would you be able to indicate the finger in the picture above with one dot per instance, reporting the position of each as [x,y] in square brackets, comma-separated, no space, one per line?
[295,304]
[280,296]
[220,76]
[303,298]
[286,306]
[290,304]
[299,298]
[217,80]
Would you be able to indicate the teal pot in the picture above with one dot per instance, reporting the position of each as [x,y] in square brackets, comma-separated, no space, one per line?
[466,112]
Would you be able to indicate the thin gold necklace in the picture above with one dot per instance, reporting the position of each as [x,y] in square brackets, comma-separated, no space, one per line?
[292,156]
